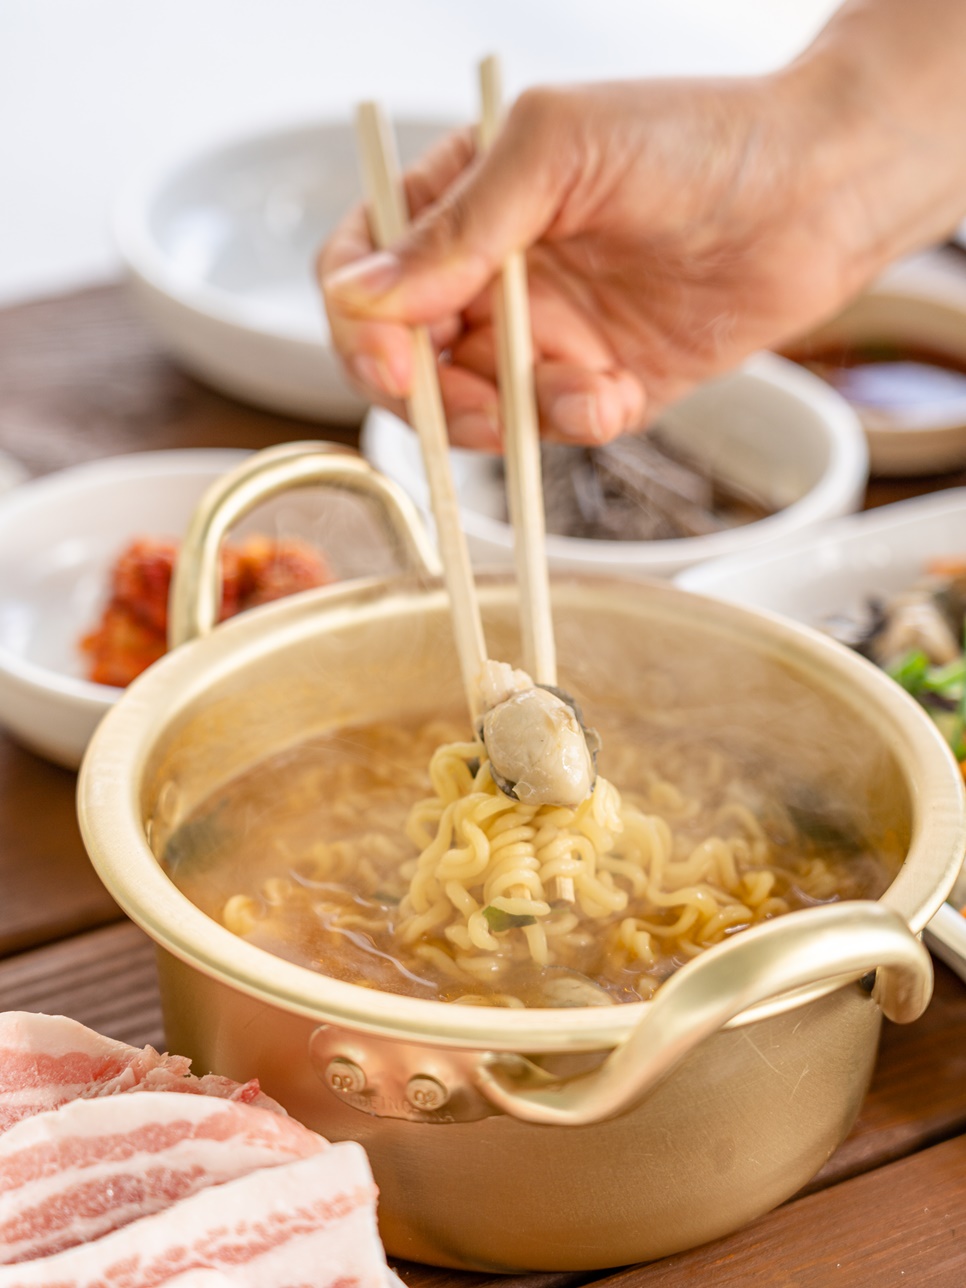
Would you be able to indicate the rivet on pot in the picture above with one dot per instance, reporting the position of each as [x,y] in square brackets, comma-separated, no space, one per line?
[424,1092]
[344,1076]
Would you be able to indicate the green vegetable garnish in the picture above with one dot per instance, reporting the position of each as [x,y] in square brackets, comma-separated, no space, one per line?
[923,681]
[498,920]
[944,679]
[386,898]
[910,671]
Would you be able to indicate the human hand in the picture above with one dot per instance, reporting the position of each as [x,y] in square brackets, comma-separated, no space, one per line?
[671,228]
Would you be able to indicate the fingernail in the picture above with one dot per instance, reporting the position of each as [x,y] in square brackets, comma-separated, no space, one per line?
[576,416]
[367,278]
[376,374]
[477,429]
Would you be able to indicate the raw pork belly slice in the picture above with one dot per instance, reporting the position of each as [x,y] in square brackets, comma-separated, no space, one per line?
[89,1167]
[306,1224]
[46,1060]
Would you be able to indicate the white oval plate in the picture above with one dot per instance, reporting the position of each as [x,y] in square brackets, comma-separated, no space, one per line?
[221,248]
[835,569]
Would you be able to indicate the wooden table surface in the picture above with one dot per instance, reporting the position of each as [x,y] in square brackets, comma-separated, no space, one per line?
[81,378]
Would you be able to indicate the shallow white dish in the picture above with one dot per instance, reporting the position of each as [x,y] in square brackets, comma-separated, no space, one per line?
[220,246]
[771,425]
[924,310]
[835,570]
[59,536]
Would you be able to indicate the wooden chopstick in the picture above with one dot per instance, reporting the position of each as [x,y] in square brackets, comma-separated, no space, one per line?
[390,218]
[521,434]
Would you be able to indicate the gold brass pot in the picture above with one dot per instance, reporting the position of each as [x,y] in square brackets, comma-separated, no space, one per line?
[543,1139]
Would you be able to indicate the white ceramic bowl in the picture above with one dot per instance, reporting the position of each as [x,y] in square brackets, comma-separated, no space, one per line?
[221,246]
[836,569]
[922,311]
[59,536]
[772,425]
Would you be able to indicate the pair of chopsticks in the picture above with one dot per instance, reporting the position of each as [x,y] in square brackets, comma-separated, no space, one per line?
[389,219]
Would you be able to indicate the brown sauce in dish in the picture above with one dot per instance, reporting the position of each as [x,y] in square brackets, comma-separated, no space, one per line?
[887,377]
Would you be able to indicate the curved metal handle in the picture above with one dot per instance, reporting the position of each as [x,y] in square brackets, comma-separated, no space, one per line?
[817,945]
[196,587]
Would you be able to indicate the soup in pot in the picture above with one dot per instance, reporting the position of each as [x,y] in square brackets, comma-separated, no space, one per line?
[385,855]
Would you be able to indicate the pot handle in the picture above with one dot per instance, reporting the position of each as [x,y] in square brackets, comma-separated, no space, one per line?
[842,941]
[196,588]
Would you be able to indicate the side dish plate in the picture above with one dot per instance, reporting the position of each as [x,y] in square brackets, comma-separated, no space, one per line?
[835,570]
[59,536]
[772,427]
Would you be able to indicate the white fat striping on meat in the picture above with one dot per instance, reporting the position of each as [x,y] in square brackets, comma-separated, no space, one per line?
[91,1166]
[48,1060]
[311,1221]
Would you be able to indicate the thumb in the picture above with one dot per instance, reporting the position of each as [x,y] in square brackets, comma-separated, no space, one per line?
[503,201]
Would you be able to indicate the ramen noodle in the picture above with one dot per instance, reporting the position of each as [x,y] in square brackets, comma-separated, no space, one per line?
[436,884]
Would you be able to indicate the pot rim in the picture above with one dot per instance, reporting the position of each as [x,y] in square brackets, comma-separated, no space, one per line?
[109,806]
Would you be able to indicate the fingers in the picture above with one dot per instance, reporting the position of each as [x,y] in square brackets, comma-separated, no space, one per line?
[472,409]
[575,405]
[589,407]
[378,356]
[583,396]
[496,203]
[470,213]
[424,183]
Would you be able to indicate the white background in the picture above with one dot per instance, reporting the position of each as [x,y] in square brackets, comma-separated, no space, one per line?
[90,89]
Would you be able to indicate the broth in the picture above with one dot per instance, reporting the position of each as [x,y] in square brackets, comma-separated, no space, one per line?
[308,857]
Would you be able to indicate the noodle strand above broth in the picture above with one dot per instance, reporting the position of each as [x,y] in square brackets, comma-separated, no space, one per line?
[342,857]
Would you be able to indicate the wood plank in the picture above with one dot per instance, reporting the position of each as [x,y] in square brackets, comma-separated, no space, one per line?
[901,1224]
[883,491]
[105,979]
[49,888]
[419,1276]
[918,1092]
[81,377]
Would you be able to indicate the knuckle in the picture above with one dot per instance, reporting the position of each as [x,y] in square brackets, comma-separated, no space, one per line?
[536,107]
